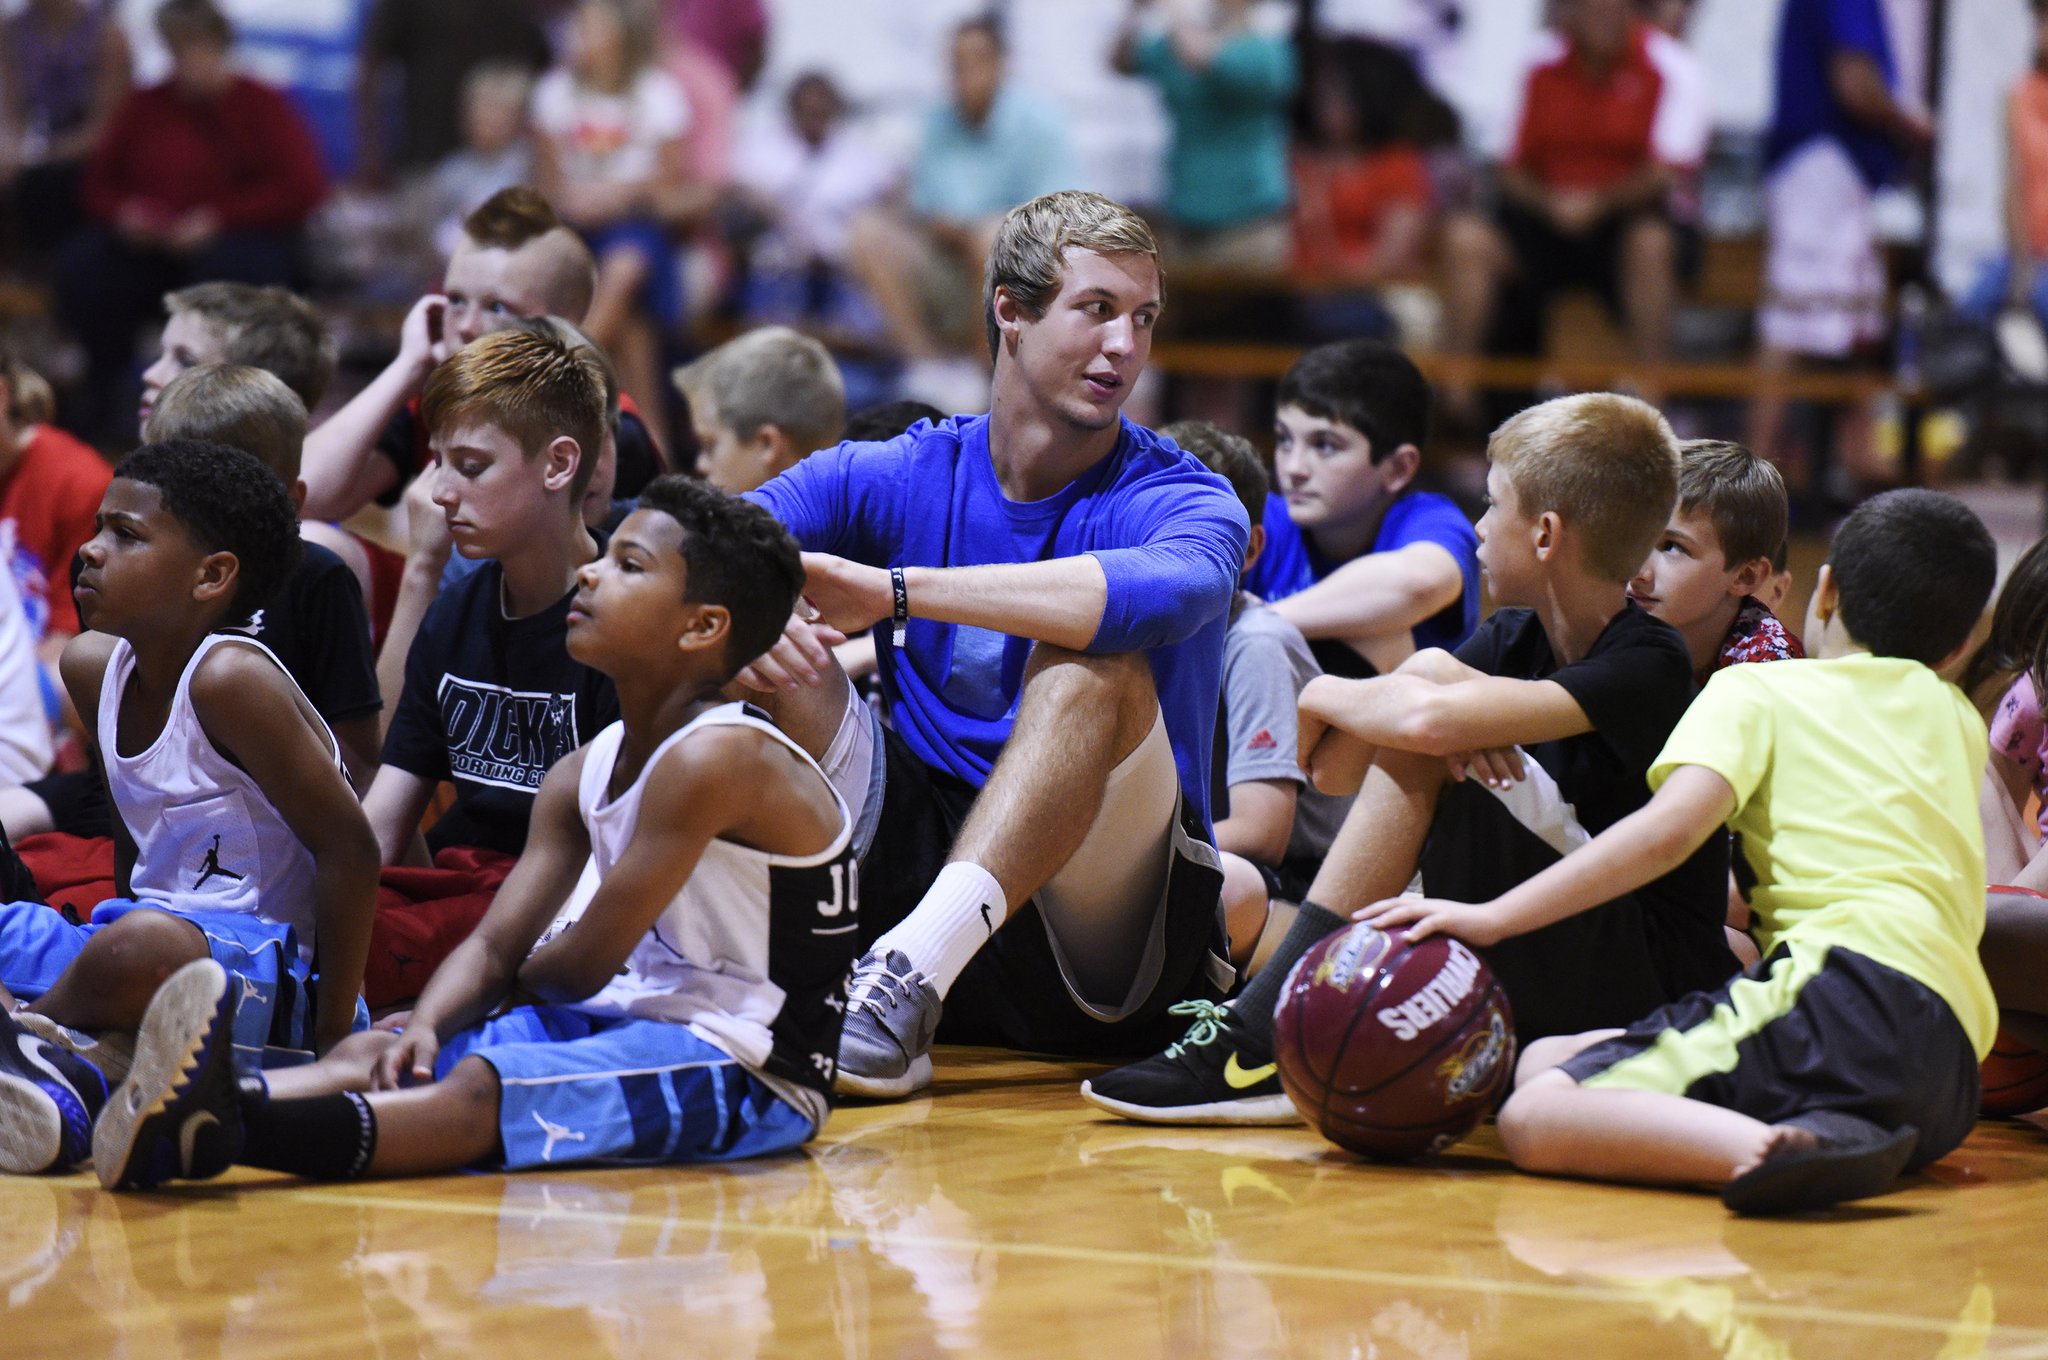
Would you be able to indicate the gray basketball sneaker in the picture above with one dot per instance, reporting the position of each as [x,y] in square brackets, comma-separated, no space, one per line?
[892,1010]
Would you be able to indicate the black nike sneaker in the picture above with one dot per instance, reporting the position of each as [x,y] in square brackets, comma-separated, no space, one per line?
[179,1113]
[1213,1075]
[49,1098]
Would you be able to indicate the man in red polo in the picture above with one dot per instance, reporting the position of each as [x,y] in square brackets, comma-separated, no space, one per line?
[1594,191]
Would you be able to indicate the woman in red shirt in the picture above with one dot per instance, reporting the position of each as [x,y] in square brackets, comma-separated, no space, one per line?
[209,175]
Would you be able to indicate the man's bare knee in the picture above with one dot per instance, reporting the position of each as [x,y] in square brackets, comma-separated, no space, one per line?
[1084,683]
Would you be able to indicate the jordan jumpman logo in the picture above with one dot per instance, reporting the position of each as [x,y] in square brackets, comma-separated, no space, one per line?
[210,866]
[556,1133]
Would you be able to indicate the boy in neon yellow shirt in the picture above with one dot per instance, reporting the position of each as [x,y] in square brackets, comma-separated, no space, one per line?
[1849,1054]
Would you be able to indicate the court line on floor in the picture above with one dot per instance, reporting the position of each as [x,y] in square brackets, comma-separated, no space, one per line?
[1106,1256]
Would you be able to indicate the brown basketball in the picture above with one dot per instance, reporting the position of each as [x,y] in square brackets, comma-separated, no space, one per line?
[2015,1079]
[1391,1049]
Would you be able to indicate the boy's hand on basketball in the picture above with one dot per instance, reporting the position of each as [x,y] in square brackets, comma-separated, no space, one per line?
[409,1062]
[799,658]
[846,595]
[1498,768]
[1474,923]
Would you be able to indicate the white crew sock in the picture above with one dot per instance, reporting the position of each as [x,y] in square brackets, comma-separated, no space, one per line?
[960,910]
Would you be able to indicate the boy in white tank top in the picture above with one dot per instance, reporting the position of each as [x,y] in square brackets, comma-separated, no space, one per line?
[692,1011]
[238,839]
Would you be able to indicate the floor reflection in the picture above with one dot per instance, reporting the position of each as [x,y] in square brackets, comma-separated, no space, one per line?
[1002,1223]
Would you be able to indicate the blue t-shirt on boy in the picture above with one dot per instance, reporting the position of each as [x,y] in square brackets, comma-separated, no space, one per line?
[1290,564]
[1169,534]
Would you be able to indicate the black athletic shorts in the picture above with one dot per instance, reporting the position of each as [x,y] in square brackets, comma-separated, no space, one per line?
[1809,1028]
[1288,881]
[1013,994]
[1549,261]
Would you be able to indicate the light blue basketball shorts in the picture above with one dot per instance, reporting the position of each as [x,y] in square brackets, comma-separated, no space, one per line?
[275,1011]
[585,1088]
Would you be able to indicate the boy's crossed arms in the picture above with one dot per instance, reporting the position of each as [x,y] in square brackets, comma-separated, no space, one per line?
[1434,704]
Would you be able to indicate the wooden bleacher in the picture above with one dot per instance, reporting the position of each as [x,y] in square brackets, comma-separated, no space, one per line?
[1585,350]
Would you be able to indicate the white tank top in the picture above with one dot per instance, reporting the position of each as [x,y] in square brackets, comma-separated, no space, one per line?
[206,839]
[753,952]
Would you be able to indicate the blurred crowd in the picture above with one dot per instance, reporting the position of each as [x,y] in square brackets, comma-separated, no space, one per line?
[1296,155]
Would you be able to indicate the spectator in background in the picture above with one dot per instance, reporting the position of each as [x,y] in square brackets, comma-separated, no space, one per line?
[427,49]
[2016,278]
[1226,73]
[1838,132]
[1362,194]
[609,130]
[209,175]
[1614,118]
[496,151]
[66,68]
[986,149]
[50,489]
[1670,15]
[733,32]
[799,187]
[26,749]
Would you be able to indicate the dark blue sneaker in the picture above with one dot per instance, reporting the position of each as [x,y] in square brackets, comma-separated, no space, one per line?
[178,1115]
[48,1100]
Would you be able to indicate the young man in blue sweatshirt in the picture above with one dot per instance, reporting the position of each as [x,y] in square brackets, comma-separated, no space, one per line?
[1049,586]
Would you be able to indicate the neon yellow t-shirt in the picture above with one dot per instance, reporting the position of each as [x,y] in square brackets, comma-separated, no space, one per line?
[1855,785]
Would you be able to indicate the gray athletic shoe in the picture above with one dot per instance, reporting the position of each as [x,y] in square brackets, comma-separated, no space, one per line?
[892,1011]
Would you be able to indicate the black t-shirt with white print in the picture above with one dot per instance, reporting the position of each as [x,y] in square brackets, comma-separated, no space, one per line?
[1618,962]
[490,704]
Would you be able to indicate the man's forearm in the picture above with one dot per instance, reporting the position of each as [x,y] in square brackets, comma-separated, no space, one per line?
[1059,602]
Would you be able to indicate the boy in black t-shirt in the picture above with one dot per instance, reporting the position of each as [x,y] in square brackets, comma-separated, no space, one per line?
[316,625]
[492,698]
[1483,768]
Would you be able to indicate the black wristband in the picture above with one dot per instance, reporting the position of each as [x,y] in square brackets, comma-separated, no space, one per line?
[902,614]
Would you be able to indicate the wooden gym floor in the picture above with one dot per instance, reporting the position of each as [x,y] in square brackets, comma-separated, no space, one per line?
[1001,1216]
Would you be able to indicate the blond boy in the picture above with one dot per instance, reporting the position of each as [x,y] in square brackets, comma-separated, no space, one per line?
[1483,768]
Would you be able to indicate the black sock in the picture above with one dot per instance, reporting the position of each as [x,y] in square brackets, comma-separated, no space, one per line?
[329,1138]
[1254,1005]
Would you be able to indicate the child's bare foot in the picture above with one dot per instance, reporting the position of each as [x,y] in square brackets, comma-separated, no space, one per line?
[1779,1139]
[1815,1160]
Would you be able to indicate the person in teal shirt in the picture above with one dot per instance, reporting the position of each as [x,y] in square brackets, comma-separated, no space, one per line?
[1227,83]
